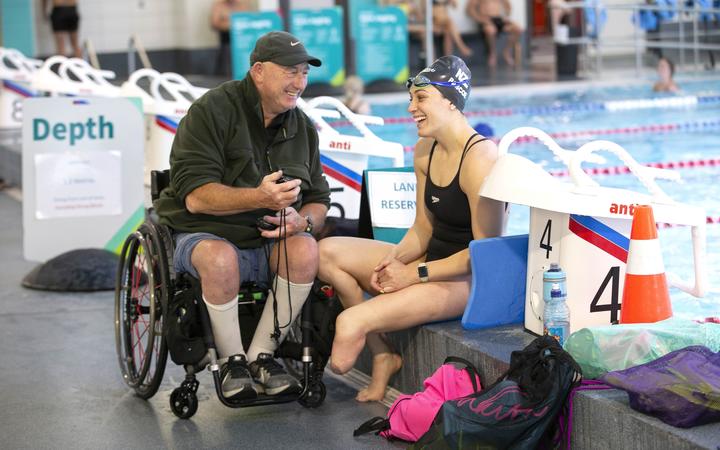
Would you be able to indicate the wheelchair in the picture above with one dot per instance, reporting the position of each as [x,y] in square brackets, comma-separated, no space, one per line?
[145,287]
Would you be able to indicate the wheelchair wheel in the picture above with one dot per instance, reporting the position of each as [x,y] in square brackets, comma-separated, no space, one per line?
[183,402]
[141,295]
[315,396]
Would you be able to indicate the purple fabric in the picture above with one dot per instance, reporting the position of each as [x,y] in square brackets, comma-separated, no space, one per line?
[681,388]
[565,431]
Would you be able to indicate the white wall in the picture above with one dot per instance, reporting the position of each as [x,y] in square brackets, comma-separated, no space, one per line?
[160,24]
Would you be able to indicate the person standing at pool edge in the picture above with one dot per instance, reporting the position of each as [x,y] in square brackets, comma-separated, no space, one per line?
[425,277]
[64,20]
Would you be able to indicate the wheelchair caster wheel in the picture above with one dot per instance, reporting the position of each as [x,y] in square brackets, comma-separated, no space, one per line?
[183,402]
[315,395]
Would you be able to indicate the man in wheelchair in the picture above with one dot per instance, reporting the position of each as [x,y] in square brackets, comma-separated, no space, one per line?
[245,152]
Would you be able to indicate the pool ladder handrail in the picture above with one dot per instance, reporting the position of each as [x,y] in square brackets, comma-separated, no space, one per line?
[16,66]
[376,146]
[585,185]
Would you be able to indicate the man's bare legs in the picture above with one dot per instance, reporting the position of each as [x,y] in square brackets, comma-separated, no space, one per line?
[347,264]
[442,23]
[74,43]
[490,32]
[514,32]
[59,43]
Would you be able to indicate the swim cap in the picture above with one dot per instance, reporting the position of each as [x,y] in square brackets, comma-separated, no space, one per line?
[450,76]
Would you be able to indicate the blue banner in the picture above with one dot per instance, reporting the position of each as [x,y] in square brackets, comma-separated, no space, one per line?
[321,31]
[381,44]
[245,29]
[17,27]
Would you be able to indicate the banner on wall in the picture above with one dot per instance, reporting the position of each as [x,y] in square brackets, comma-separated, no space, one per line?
[381,44]
[321,32]
[82,172]
[245,29]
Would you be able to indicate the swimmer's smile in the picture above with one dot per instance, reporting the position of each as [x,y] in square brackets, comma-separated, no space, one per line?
[419,119]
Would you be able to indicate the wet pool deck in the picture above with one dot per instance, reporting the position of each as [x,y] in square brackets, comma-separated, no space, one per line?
[60,383]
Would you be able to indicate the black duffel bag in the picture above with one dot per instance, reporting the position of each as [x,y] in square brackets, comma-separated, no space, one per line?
[519,411]
[184,333]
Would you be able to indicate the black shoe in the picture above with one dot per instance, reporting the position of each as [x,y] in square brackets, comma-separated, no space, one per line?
[237,384]
[268,372]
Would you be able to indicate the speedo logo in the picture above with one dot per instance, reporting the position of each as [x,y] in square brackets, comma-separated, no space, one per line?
[434,199]
[622,209]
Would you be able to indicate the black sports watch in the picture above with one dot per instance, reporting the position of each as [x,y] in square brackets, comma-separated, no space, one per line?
[310,225]
[423,272]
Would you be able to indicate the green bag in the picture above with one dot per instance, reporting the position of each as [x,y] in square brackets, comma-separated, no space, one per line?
[600,350]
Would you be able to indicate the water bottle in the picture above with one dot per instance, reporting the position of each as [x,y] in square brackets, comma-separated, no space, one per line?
[553,275]
[556,317]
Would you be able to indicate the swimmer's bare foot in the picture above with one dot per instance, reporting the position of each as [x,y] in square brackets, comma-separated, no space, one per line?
[385,365]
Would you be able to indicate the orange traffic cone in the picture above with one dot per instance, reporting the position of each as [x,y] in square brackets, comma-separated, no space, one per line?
[646,298]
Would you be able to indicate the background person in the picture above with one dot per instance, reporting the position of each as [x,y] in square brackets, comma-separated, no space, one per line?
[445,26]
[425,277]
[65,21]
[353,99]
[225,161]
[493,16]
[220,22]
[665,70]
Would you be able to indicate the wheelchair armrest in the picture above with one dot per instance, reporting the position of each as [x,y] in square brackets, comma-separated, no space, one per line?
[159,180]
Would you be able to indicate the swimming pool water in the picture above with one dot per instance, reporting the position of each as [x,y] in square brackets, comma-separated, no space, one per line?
[692,133]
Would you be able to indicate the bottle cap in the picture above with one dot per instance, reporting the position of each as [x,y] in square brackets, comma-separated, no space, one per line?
[554,267]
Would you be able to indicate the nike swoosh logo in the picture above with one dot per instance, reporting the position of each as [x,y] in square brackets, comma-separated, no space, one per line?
[434,199]
[293,44]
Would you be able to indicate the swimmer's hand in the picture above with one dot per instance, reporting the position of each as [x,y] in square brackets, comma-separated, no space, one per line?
[277,196]
[393,276]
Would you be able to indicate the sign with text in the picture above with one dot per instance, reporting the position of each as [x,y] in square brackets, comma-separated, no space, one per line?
[77,184]
[82,172]
[381,44]
[391,197]
[245,29]
[321,32]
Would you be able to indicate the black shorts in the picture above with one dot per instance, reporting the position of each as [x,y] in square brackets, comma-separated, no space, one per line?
[499,23]
[64,18]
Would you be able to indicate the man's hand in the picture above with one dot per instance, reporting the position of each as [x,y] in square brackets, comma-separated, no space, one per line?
[292,223]
[278,196]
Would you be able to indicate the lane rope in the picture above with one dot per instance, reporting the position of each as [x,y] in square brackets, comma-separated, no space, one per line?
[688,101]
[653,128]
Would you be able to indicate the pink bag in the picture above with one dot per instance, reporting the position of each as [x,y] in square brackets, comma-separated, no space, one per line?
[411,415]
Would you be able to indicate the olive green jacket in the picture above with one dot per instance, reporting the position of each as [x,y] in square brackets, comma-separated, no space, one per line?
[223,139]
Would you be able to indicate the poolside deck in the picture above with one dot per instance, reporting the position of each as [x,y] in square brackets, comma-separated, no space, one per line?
[61,386]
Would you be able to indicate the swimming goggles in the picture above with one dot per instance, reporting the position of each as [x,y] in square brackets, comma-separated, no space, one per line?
[422,81]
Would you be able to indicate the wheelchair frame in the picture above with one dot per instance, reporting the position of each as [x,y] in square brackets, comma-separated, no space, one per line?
[145,283]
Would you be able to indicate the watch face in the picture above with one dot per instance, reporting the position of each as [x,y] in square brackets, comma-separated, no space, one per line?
[422,271]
